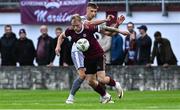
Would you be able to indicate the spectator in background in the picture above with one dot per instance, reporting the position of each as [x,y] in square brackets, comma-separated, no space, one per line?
[7,44]
[117,53]
[130,45]
[66,59]
[105,43]
[45,53]
[58,32]
[144,43]
[162,51]
[65,53]
[25,51]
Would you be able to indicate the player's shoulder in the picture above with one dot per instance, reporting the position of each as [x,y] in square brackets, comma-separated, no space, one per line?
[69,28]
[69,31]
[83,18]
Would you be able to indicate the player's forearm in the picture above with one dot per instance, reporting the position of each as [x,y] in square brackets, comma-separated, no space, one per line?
[125,33]
[112,29]
[109,33]
[60,40]
[98,22]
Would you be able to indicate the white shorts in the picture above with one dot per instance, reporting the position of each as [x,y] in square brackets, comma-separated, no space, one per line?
[78,59]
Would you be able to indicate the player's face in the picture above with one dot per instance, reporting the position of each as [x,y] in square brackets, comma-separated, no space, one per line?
[91,13]
[130,27]
[77,25]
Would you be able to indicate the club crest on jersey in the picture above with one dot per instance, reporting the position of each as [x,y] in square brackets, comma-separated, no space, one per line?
[84,35]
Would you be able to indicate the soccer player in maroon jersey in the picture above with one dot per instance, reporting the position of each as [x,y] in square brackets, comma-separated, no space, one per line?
[94,56]
[78,57]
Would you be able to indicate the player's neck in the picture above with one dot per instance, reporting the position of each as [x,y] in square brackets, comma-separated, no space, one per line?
[82,28]
[88,18]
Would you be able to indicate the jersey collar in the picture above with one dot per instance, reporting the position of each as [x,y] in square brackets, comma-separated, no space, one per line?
[81,30]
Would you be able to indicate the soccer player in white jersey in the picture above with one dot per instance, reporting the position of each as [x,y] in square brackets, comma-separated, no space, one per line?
[77,56]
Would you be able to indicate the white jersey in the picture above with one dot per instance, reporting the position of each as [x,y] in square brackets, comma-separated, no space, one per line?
[74,48]
[84,18]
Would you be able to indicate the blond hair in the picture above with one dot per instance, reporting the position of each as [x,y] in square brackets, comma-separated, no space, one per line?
[76,17]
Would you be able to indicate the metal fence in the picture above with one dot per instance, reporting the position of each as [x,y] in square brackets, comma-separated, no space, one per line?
[133,1]
[16,3]
[128,3]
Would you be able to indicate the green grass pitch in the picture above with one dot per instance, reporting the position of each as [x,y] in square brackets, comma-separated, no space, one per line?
[88,100]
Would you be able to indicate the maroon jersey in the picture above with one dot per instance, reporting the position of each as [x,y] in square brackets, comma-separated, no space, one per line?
[87,32]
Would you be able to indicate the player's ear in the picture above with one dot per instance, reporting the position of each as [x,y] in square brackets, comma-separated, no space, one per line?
[87,9]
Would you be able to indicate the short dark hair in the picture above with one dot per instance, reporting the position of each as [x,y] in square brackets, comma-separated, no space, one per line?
[8,25]
[130,23]
[157,33]
[92,5]
[58,28]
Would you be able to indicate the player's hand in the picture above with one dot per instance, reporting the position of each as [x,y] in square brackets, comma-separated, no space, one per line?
[166,65]
[50,65]
[65,64]
[110,17]
[148,65]
[125,33]
[57,50]
[120,20]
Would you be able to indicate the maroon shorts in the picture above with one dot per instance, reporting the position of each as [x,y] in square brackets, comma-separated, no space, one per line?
[94,65]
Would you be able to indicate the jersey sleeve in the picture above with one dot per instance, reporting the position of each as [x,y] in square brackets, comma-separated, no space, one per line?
[94,28]
[67,32]
[83,19]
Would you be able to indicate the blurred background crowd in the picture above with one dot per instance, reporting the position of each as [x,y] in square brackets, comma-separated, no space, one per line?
[152,24]
[135,49]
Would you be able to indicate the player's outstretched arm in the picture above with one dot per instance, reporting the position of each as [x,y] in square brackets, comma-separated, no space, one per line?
[59,43]
[98,22]
[125,33]
[112,29]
